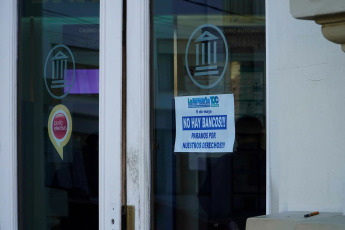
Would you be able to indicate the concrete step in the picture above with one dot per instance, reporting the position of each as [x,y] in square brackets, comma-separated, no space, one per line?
[297,221]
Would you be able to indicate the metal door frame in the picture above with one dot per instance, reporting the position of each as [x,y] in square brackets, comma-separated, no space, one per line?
[138,150]
[8,116]
[110,118]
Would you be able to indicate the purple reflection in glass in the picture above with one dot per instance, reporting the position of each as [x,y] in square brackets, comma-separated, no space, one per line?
[86,81]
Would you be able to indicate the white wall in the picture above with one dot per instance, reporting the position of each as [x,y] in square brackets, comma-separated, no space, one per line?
[306,77]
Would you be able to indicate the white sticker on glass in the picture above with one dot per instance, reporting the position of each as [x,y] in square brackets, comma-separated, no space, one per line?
[205,123]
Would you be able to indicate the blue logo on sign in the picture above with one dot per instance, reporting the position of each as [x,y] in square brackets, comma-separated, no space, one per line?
[202,102]
[214,101]
[198,102]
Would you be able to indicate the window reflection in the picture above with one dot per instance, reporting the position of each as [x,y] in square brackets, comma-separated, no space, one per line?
[58,192]
[209,190]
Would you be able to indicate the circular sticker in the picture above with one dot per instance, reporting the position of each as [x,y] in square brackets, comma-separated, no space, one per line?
[206,56]
[59,127]
[59,71]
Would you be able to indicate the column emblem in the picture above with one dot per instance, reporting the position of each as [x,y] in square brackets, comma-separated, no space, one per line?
[206,56]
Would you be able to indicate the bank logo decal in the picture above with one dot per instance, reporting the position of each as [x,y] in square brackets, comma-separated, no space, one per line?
[59,60]
[202,68]
[206,56]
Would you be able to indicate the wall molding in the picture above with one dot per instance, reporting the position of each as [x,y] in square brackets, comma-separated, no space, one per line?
[329,14]
[333,28]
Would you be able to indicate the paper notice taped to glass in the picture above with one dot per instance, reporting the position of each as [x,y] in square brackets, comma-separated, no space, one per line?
[205,123]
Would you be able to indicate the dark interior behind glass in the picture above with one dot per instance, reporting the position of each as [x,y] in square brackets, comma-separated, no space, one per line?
[209,190]
[58,192]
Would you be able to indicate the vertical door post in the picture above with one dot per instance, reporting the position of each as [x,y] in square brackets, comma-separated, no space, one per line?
[8,116]
[110,115]
[138,110]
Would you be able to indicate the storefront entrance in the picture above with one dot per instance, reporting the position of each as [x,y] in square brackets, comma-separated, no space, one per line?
[157,108]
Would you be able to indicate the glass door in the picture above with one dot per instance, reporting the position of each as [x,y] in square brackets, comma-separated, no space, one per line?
[209,157]
[58,107]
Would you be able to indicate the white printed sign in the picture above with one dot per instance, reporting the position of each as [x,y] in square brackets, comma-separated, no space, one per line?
[205,123]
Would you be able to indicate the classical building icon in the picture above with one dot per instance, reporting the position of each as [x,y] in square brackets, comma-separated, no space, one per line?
[59,71]
[206,56]
[208,44]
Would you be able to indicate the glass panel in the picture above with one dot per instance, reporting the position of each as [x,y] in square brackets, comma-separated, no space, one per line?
[204,49]
[58,75]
